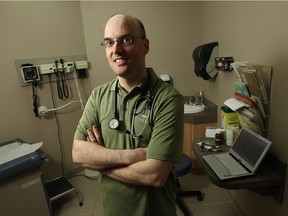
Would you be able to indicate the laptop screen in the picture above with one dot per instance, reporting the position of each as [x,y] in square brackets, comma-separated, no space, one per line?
[251,147]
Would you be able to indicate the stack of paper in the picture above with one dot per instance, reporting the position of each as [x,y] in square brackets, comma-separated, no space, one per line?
[15,150]
[252,95]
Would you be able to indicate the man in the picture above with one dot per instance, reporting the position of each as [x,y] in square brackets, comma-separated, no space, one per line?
[131,130]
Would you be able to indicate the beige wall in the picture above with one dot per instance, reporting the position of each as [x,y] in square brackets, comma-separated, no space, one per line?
[248,31]
[31,30]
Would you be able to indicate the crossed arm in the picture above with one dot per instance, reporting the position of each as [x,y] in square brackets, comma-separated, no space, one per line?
[128,165]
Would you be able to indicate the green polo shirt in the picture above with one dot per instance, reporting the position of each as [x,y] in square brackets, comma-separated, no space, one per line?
[157,124]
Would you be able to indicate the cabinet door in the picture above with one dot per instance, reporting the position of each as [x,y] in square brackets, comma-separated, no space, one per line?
[193,132]
[18,191]
[187,139]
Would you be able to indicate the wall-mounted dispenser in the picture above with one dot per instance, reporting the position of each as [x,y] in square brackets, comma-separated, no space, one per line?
[204,59]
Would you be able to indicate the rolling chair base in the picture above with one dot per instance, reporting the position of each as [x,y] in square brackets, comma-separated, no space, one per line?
[181,170]
[180,203]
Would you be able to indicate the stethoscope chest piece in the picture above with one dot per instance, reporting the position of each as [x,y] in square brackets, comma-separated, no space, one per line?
[114,124]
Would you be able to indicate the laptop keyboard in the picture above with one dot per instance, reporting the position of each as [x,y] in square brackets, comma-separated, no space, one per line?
[232,165]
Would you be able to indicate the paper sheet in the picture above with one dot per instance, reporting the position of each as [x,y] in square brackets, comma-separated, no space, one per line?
[15,150]
[235,104]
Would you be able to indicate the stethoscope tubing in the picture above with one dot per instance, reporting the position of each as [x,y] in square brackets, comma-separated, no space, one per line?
[134,113]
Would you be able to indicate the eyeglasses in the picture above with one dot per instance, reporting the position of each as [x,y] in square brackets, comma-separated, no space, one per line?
[124,41]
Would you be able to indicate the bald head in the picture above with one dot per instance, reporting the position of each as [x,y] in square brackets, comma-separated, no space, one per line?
[128,49]
[127,20]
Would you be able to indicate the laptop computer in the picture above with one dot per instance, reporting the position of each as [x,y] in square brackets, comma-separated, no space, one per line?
[246,153]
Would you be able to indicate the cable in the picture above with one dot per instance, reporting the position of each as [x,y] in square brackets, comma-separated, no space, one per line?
[58,126]
[77,87]
[59,87]
[58,108]
[43,110]
[64,80]
[35,97]
[61,107]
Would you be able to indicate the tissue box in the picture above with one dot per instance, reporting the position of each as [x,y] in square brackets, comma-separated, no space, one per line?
[228,117]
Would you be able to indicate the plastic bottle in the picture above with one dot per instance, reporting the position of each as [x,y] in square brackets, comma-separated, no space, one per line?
[218,137]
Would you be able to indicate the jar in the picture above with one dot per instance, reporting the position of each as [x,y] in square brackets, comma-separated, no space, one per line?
[218,137]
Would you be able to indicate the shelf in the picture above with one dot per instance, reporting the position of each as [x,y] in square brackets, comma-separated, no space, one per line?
[268,180]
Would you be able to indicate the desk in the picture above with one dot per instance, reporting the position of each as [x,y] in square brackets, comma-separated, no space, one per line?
[268,180]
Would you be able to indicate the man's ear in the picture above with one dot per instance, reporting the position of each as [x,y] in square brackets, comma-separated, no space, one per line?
[146,46]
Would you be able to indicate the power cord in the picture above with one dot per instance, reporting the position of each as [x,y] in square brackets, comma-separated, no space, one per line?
[56,115]
[43,110]
[35,97]
[58,125]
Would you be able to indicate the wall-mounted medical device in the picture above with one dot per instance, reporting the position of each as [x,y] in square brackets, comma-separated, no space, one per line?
[81,67]
[29,72]
[67,67]
[45,68]
[57,70]
[81,64]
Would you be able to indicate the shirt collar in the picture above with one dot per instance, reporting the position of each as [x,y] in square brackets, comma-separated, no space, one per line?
[149,82]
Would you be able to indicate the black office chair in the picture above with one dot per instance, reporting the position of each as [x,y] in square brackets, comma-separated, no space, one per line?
[181,170]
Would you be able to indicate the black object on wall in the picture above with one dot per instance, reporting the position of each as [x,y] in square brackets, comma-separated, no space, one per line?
[204,60]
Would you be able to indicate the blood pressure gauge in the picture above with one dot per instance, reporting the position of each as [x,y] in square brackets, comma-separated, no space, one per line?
[114,124]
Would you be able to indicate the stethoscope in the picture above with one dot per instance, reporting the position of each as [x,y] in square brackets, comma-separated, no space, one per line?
[114,123]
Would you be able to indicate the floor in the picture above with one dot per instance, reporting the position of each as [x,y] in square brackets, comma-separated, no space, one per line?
[216,200]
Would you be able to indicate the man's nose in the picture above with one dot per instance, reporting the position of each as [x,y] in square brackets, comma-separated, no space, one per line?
[117,47]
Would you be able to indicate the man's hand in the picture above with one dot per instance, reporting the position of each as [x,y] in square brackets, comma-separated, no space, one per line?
[126,165]
[94,135]
[94,155]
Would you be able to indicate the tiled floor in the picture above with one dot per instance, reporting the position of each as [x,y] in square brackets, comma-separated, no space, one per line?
[216,200]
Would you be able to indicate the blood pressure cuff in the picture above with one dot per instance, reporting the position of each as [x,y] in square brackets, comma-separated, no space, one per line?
[204,60]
